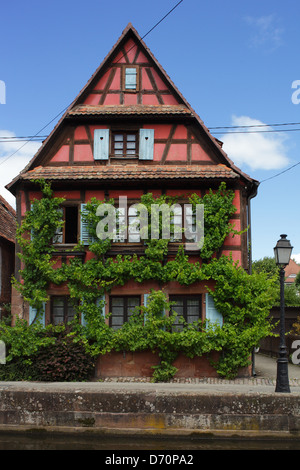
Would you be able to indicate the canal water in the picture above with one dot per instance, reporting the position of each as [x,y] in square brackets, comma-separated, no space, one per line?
[33,441]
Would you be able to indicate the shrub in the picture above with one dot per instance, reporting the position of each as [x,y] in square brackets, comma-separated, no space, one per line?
[65,361]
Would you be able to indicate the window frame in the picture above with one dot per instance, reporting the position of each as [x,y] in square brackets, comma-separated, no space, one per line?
[128,218]
[185,298]
[125,307]
[137,87]
[124,133]
[66,299]
[62,230]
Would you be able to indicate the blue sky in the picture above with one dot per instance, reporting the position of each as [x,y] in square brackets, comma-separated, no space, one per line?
[235,63]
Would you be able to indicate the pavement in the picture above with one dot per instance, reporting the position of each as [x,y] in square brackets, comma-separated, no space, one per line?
[266,367]
[263,383]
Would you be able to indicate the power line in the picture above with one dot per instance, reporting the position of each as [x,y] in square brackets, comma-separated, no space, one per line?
[13,137]
[257,125]
[280,173]
[26,142]
[164,17]
[36,135]
[257,132]
[41,137]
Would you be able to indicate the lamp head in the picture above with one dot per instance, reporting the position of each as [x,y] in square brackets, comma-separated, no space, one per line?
[283,251]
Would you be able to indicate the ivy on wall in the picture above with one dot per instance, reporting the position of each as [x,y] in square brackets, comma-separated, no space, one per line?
[244,300]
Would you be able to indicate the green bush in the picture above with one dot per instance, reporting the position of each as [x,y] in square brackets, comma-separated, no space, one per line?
[51,354]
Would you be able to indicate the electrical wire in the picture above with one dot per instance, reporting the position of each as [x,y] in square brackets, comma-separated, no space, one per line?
[26,142]
[37,137]
[41,137]
[256,132]
[280,173]
[258,125]
[37,134]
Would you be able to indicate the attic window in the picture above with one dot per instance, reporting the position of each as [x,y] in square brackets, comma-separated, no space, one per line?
[130,78]
[125,144]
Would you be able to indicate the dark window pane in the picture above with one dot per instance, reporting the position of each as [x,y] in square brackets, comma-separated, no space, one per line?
[71,224]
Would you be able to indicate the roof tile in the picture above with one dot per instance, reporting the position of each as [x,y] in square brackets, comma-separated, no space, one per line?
[131,172]
[118,110]
[7,221]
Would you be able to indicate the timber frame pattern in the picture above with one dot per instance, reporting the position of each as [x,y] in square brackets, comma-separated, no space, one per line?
[185,157]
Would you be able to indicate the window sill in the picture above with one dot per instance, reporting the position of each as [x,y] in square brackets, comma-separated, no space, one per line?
[125,157]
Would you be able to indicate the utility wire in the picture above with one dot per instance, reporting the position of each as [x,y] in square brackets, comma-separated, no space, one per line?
[257,125]
[26,142]
[257,132]
[41,137]
[37,134]
[280,173]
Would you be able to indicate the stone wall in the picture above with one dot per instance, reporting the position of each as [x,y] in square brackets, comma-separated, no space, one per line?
[156,409]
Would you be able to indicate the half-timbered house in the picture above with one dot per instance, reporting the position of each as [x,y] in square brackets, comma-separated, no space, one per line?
[128,132]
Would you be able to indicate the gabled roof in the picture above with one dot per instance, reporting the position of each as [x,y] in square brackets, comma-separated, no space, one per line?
[7,221]
[78,109]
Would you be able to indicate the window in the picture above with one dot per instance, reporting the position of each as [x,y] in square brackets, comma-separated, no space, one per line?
[62,309]
[124,144]
[130,78]
[68,233]
[121,309]
[187,307]
[133,225]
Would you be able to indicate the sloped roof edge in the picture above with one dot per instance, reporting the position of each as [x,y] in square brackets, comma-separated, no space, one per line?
[127,31]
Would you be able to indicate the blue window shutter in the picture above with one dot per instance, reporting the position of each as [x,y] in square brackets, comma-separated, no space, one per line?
[85,236]
[146,296]
[83,321]
[130,78]
[212,313]
[98,301]
[84,233]
[33,315]
[101,144]
[146,144]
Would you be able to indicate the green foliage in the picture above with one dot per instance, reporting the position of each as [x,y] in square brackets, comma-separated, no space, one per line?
[64,361]
[23,340]
[54,353]
[268,266]
[243,300]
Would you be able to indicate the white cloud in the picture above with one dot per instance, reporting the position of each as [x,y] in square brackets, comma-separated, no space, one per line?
[11,167]
[266,32]
[296,258]
[258,151]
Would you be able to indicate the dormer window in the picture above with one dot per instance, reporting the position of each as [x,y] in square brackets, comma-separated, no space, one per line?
[130,78]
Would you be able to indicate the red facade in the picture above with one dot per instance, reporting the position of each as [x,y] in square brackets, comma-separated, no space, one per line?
[128,102]
[7,253]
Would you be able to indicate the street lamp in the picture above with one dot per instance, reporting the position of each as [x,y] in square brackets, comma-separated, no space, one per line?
[283,251]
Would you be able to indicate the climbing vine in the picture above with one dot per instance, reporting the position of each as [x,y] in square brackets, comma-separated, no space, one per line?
[244,300]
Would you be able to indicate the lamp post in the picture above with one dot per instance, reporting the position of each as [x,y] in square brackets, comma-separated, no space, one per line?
[282,250]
